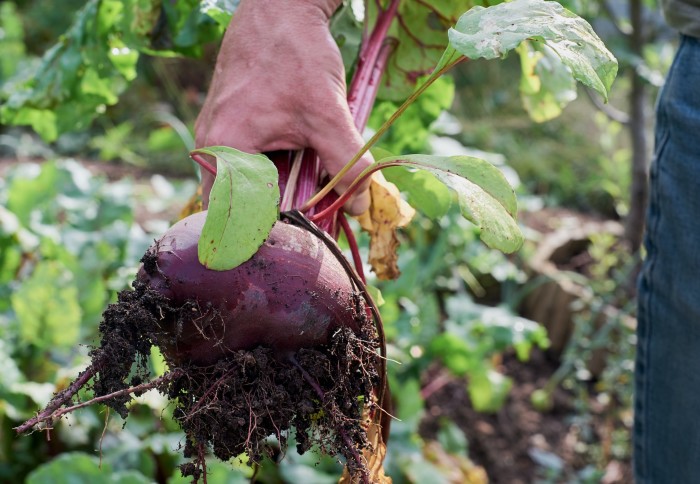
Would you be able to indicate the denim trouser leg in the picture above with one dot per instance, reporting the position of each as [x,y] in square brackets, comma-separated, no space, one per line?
[667,400]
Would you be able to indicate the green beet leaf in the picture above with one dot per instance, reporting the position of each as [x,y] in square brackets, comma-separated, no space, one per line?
[492,32]
[485,197]
[423,191]
[243,207]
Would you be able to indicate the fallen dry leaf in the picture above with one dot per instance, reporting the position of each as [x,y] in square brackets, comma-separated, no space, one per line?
[458,469]
[387,212]
[193,205]
[373,456]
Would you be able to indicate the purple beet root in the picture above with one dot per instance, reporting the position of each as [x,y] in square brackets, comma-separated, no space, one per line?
[292,294]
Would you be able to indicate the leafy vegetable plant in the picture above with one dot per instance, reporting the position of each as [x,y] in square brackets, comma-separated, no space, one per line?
[263,322]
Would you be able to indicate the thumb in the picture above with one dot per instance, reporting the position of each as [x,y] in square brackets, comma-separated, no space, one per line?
[336,141]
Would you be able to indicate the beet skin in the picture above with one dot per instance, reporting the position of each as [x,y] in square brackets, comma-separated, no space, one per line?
[292,294]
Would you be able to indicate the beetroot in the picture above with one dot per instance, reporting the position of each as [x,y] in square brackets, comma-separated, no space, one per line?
[292,294]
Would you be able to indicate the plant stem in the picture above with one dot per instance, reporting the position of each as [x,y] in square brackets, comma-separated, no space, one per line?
[287,202]
[380,132]
[52,411]
[309,176]
[369,53]
[203,163]
[329,224]
[59,399]
[327,212]
[364,108]
[352,242]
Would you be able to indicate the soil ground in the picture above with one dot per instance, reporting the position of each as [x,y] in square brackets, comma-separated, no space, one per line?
[509,443]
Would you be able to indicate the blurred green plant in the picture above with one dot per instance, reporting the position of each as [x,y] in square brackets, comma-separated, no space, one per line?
[11,40]
[68,243]
[598,362]
[78,78]
[430,316]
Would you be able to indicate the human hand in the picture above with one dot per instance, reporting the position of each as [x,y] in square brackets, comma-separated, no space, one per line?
[279,84]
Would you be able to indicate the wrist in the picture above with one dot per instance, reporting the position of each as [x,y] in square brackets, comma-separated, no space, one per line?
[326,7]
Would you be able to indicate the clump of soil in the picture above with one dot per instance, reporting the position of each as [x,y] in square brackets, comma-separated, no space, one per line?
[129,328]
[234,405]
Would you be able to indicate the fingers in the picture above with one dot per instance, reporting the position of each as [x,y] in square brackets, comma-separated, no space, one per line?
[336,140]
[360,201]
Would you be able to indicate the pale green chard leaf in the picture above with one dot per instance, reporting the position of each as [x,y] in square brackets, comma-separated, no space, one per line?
[485,197]
[242,208]
[47,307]
[75,80]
[492,32]
[220,10]
[546,85]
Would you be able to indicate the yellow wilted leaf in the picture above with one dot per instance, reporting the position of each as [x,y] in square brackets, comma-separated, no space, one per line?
[193,205]
[458,469]
[387,212]
[372,456]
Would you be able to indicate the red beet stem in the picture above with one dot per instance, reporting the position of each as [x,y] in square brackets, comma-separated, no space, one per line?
[283,160]
[329,224]
[352,242]
[293,158]
[364,108]
[203,163]
[309,178]
[369,52]
[348,193]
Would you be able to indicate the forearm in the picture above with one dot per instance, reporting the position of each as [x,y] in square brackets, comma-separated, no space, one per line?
[281,10]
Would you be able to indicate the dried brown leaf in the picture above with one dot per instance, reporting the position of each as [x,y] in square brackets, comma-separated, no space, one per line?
[458,469]
[193,205]
[387,212]
[373,455]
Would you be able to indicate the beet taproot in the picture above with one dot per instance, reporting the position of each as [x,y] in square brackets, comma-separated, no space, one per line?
[292,294]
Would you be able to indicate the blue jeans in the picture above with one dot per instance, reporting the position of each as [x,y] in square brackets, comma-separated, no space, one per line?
[667,379]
